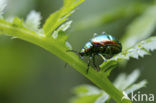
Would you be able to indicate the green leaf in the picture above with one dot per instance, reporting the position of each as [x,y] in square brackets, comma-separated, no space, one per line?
[60,32]
[89,94]
[60,16]
[17,22]
[140,28]
[103,98]
[85,99]
[136,86]
[86,90]
[123,82]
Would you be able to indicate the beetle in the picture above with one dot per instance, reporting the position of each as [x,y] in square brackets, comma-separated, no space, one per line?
[104,45]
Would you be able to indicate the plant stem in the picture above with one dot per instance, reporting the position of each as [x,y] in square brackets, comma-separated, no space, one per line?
[57,48]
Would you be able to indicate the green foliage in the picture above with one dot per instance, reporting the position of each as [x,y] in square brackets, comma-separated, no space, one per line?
[123,82]
[52,37]
[60,16]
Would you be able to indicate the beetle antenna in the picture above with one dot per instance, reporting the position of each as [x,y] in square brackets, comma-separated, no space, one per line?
[73,51]
[102,57]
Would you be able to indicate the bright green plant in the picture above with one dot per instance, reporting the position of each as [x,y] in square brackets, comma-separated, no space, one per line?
[53,37]
[88,93]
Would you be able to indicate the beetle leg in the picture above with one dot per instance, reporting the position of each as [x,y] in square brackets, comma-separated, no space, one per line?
[97,67]
[110,52]
[88,65]
[102,57]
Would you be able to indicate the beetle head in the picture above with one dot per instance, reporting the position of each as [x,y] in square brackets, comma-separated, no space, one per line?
[82,52]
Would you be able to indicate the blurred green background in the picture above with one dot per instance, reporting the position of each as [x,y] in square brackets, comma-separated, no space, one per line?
[29,74]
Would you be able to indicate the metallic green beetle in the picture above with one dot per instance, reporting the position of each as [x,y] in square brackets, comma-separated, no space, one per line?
[104,45]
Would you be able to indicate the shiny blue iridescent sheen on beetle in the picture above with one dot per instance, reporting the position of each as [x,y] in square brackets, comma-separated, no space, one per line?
[104,45]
